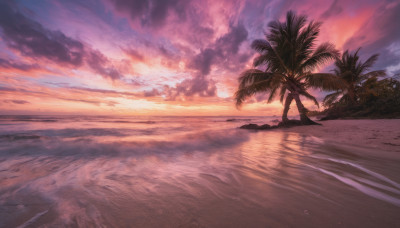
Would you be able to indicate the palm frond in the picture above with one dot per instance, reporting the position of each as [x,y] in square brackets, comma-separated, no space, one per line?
[255,81]
[293,25]
[321,55]
[309,96]
[261,45]
[306,40]
[282,93]
[275,84]
[325,81]
[330,98]
[369,62]
[272,94]
[251,76]
[373,74]
[260,60]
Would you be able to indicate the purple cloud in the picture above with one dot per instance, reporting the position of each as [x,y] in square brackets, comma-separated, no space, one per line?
[16,102]
[334,9]
[33,40]
[226,47]
[17,65]
[101,65]
[383,24]
[151,93]
[134,54]
[198,85]
[151,12]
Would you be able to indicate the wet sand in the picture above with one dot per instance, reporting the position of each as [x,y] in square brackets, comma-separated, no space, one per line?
[379,137]
[196,172]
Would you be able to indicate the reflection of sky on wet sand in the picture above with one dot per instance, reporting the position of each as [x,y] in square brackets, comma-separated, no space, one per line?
[195,175]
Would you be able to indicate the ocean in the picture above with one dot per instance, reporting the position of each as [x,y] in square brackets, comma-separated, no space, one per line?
[103,171]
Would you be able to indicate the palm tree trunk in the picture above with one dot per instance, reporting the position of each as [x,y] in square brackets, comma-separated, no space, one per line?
[303,111]
[288,101]
[352,95]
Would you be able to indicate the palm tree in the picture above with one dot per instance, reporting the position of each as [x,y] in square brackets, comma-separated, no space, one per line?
[289,56]
[353,72]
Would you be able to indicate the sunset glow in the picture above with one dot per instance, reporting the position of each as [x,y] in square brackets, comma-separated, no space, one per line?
[163,57]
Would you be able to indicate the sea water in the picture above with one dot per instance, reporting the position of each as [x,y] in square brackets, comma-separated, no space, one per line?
[101,171]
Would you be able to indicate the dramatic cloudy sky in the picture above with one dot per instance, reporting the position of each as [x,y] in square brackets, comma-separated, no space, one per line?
[162,57]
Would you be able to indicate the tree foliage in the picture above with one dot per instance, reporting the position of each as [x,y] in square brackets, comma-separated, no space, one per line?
[376,99]
[364,95]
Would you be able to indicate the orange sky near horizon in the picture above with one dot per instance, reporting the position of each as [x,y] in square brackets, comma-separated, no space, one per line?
[163,57]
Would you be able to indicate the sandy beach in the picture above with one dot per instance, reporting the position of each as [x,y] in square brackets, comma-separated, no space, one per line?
[62,171]
[381,136]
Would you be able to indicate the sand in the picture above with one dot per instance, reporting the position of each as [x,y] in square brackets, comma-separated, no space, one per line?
[195,172]
[381,136]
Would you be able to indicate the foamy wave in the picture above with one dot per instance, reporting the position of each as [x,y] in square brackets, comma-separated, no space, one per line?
[86,146]
[366,186]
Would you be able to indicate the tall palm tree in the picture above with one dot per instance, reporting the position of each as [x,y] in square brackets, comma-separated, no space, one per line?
[350,68]
[288,55]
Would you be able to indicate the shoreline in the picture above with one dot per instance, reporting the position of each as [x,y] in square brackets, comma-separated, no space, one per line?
[380,136]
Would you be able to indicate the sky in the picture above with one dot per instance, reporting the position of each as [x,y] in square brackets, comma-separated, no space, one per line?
[164,57]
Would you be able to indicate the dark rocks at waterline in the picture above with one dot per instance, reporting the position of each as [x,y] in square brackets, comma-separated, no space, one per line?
[257,127]
[294,123]
[330,117]
[290,123]
[286,124]
[233,120]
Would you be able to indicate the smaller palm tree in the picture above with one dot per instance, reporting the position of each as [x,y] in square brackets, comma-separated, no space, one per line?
[353,72]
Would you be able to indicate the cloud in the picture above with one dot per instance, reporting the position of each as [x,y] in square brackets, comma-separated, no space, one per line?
[189,87]
[151,93]
[224,48]
[102,65]
[380,34]
[18,90]
[334,9]
[16,102]
[103,91]
[203,61]
[93,102]
[17,65]
[33,40]
[54,95]
[230,42]
[192,40]
[151,12]
[135,55]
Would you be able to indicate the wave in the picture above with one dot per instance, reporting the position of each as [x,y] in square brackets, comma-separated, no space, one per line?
[205,141]
[237,120]
[362,188]
[370,186]
[77,132]
[129,122]
[19,137]
[35,120]
[29,118]
[183,172]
